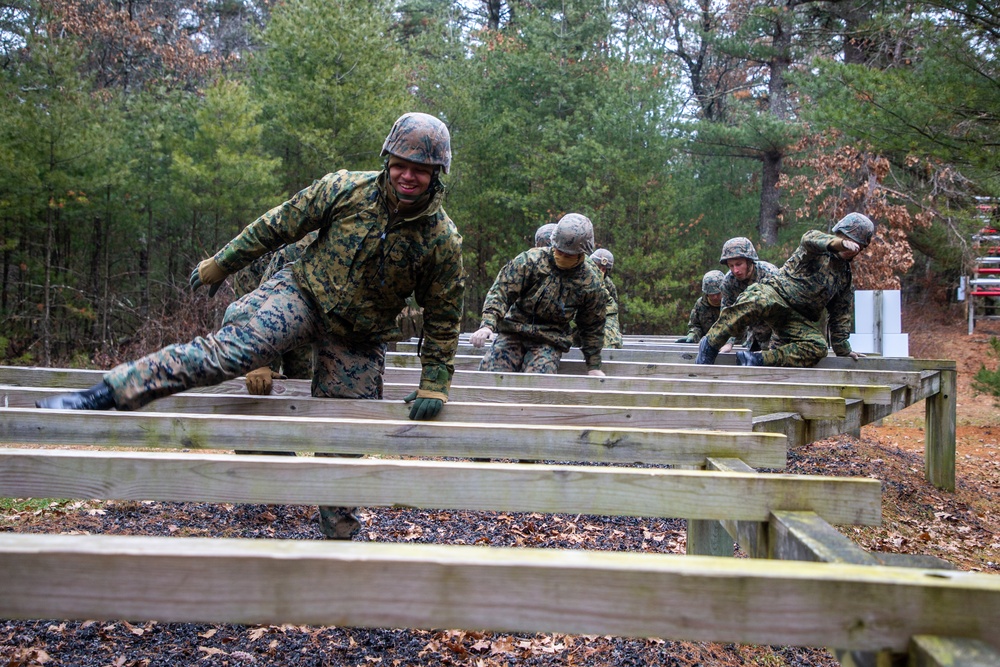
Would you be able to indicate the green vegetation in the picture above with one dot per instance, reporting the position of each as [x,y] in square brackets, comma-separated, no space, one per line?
[988,381]
[134,146]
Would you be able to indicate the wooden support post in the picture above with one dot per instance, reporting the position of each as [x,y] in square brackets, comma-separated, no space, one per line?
[706,537]
[939,432]
[751,536]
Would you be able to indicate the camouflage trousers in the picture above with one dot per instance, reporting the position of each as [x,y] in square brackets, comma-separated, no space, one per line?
[514,354]
[796,340]
[613,333]
[260,327]
[265,324]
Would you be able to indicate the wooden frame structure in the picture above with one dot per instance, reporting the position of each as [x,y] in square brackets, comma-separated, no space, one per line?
[825,592]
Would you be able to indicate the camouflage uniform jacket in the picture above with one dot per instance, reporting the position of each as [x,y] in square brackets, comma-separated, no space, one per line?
[365,261]
[703,316]
[814,278]
[732,287]
[533,298]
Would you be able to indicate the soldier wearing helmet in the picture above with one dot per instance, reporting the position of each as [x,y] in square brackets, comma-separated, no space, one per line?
[605,261]
[706,309]
[745,268]
[815,278]
[538,296]
[382,236]
[543,235]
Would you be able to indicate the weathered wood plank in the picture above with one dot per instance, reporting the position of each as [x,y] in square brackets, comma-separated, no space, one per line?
[693,598]
[718,419]
[686,383]
[807,406]
[433,484]
[805,536]
[669,367]
[933,651]
[653,363]
[387,437]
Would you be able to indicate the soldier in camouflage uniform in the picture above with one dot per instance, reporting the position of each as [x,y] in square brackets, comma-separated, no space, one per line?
[383,236]
[745,269]
[543,235]
[706,308]
[816,276]
[612,328]
[536,297]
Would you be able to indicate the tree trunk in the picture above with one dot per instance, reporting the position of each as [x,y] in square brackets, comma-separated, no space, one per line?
[770,205]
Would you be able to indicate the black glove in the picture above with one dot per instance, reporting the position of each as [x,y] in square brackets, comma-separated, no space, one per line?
[686,339]
[423,408]
[706,353]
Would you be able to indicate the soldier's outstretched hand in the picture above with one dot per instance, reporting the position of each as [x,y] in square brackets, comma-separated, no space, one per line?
[481,337]
[208,272]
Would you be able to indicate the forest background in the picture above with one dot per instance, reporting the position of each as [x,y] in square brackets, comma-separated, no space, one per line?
[137,137]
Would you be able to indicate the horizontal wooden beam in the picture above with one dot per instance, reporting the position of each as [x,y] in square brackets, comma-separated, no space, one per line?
[175,579]
[288,405]
[666,365]
[807,406]
[509,487]
[774,382]
[388,437]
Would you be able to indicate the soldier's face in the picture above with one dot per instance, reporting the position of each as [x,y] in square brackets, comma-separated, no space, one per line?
[714,299]
[741,267]
[409,179]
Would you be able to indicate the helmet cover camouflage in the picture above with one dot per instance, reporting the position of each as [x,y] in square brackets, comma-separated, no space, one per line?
[857,227]
[574,234]
[736,248]
[604,258]
[711,283]
[420,138]
[543,235]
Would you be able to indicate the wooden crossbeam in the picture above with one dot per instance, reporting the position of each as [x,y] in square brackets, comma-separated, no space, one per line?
[718,383]
[775,382]
[598,490]
[174,579]
[288,405]
[388,437]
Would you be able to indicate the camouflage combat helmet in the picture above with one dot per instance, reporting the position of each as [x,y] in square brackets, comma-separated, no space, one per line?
[738,247]
[857,227]
[420,138]
[604,258]
[574,234]
[543,235]
[712,282]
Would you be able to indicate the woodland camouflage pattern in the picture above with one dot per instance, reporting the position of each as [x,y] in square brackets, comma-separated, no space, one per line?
[612,329]
[711,282]
[755,332]
[574,234]
[702,317]
[366,261]
[420,138]
[738,247]
[350,284]
[533,299]
[295,364]
[814,278]
[791,302]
